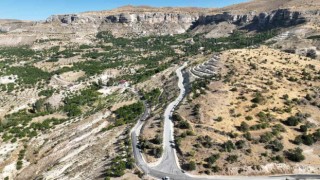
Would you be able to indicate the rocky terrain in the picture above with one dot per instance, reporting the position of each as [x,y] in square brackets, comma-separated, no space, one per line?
[72,86]
[243,114]
[132,21]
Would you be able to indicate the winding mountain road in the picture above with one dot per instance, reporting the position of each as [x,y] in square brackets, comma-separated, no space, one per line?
[168,164]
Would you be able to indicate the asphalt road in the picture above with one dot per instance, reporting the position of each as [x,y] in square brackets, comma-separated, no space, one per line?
[168,165]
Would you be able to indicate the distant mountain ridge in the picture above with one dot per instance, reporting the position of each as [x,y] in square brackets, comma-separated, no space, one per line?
[131,21]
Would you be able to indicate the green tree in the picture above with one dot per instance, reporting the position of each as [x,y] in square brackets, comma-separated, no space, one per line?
[295,155]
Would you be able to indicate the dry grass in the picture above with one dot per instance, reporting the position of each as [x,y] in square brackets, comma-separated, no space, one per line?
[234,105]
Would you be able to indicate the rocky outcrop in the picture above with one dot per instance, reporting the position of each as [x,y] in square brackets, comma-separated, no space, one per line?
[279,18]
[123,24]
[160,23]
[153,21]
[226,17]
[254,21]
[152,18]
[72,19]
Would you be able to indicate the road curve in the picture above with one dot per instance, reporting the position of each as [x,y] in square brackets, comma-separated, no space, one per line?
[168,164]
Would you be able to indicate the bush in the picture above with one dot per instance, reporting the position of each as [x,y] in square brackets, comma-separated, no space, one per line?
[183,125]
[258,99]
[157,139]
[206,141]
[275,146]
[219,119]
[264,117]
[248,118]
[157,152]
[248,136]
[215,169]
[307,139]
[295,155]
[244,127]
[292,121]
[278,158]
[232,158]
[190,166]
[266,137]
[240,144]
[176,117]
[228,146]
[213,158]
[278,128]
[19,164]
[303,128]
[316,135]
[297,140]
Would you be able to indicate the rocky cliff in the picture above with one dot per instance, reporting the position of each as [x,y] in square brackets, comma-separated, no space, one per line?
[160,23]
[257,21]
[147,23]
[144,21]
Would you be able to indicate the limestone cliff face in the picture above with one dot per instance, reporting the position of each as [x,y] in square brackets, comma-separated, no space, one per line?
[152,18]
[154,21]
[277,18]
[161,23]
[132,23]
[71,19]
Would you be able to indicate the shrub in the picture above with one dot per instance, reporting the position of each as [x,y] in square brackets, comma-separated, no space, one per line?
[264,138]
[258,98]
[219,119]
[206,141]
[232,158]
[183,125]
[307,139]
[278,158]
[285,96]
[233,89]
[157,139]
[297,140]
[278,128]
[19,164]
[228,146]
[275,145]
[240,144]
[176,117]
[247,135]
[213,158]
[190,166]
[215,169]
[316,135]
[264,117]
[157,152]
[295,155]
[303,128]
[292,121]
[248,118]
[244,127]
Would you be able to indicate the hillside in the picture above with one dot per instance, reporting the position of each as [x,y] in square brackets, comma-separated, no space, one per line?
[247,115]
